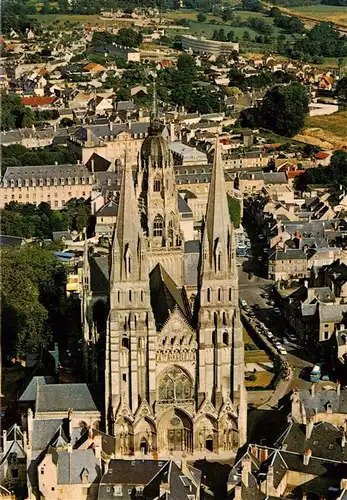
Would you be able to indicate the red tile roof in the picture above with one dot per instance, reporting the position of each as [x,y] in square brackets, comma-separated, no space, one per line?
[38,101]
[294,173]
[321,155]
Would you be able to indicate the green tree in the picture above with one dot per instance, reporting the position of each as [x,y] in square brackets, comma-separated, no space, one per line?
[246,36]
[201,17]
[284,109]
[31,297]
[227,14]
[234,211]
[186,66]
[341,89]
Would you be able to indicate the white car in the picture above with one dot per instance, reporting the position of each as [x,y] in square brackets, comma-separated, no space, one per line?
[260,258]
[270,335]
[291,337]
[277,311]
[283,350]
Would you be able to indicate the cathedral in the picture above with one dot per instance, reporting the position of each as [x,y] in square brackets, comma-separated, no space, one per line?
[174,368]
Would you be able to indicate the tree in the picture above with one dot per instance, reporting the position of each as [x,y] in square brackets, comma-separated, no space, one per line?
[186,66]
[236,78]
[129,37]
[227,14]
[32,296]
[201,17]
[275,12]
[284,109]
[246,36]
[234,211]
[252,5]
[341,89]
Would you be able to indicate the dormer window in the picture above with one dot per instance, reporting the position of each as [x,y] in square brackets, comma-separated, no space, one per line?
[55,181]
[12,183]
[34,182]
[83,180]
[48,181]
[19,182]
[69,181]
[26,182]
[41,182]
[62,181]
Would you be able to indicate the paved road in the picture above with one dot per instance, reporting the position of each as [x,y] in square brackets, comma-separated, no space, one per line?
[298,357]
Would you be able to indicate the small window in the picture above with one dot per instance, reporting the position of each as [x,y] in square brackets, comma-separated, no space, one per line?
[142,295]
[15,473]
[225,338]
[326,335]
[230,294]
[209,295]
[157,185]
[219,294]
[130,295]
[124,377]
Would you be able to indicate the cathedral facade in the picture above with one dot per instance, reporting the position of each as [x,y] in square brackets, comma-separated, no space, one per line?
[174,374]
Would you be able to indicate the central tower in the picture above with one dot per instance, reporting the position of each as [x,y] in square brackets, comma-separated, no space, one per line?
[158,200]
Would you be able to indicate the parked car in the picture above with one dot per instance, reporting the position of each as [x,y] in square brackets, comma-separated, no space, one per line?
[282,350]
[270,335]
[260,258]
[285,340]
[292,337]
[261,236]
[277,311]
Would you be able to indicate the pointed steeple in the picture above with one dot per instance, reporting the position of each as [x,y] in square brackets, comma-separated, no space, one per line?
[218,229]
[127,232]
[154,128]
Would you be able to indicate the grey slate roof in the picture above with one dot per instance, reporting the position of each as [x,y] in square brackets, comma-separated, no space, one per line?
[29,394]
[162,285]
[11,241]
[45,171]
[43,433]
[58,235]
[318,401]
[108,210]
[61,397]
[324,442]
[99,268]
[288,254]
[133,472]
[184,208]
[71,466]
[332,313]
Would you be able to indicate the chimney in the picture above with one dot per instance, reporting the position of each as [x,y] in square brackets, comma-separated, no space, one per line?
[237,491]
[343,439]
[69,448]
[89,136]
[69,416]
[30,425]
[343,484]
[97,447]
[313,389]
[246,469]
[306,456]
[338,388]
[270,481]
[111,126]
[306,284]
[92,165]
[4,441]
[309,428]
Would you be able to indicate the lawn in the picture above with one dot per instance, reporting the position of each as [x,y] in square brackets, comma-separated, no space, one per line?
[263,379]
[93,20]
[206,29]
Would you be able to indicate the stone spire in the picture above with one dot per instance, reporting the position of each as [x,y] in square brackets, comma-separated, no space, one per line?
[217,236]
[154,128]
[126,241]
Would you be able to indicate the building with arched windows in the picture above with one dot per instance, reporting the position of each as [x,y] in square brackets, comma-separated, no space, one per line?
[174,363]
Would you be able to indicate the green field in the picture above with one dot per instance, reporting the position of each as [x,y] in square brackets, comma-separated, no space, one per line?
[206,30]
[93,20]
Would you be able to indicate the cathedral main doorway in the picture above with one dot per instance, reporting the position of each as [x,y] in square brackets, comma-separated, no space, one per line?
[176,431]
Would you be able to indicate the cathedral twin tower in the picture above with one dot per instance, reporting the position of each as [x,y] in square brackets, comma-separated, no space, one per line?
[174,372]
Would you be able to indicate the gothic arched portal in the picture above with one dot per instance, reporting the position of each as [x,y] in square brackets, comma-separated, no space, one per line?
[175,431]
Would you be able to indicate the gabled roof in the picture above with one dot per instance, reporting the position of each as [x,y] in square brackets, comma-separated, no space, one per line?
[29,393]
[163,286]
[61,397]
[108,210]
[38,101]
[133,472]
